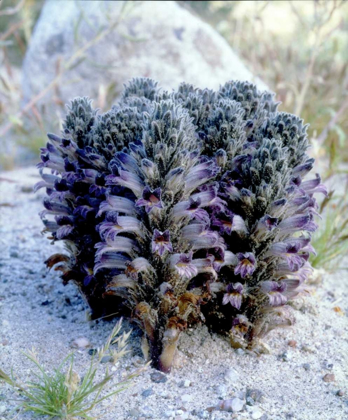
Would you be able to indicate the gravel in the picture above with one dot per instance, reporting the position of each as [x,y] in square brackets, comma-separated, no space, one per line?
[205,361]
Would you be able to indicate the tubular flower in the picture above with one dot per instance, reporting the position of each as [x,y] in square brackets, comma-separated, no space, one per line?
[246,265]
[161,242]
[233,295]
[167,201]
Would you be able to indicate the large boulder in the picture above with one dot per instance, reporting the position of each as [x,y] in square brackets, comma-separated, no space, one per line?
[156,39]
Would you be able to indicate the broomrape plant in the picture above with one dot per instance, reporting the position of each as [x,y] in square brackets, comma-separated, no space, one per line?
[181,208]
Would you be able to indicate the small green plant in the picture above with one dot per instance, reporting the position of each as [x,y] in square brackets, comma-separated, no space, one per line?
[331,240]
[63,394]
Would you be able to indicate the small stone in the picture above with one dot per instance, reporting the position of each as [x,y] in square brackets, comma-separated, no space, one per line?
[187,383]
[306,366]
[240,352]
[158,377]
[240,395]
[80,343]
[107,359]
[284,356]
[340,393]
[147,392]
[256,414]
[255,394]
[292,343]
[2,408]
[45,302]
[169,413]
[186,398]
[308,349]
[221,390]
[134,412]
[250,401]
[14,254]
[237,405]
[231,375]
[329,377]
[92,352]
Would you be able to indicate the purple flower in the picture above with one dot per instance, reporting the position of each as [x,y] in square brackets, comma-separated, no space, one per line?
[233,295]
[161,242]
[275,292]
[246,265]
[229,222]
[150,200]
[288,251]
[219,258]
[268,223]
[184,265]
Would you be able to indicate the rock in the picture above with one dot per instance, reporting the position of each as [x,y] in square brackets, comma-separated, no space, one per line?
[285,357]
[186,398]
[329,377]
[231,375]
[292,343]
[255,394]
[187,383]
[147,392]
[80,343]
[221,390]
[2,408]
[107,359]
[250,401]
[256,414]
[340,393]
[161,40]
[92,352]
[237,405]
[158,377]
[134,412]
[306,366]
[233,405]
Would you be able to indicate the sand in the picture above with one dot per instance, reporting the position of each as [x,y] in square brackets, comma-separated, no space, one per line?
[38,312]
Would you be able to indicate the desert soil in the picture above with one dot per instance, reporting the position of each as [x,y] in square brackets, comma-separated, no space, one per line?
[305,376]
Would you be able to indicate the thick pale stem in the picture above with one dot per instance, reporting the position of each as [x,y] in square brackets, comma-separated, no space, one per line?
[170,341]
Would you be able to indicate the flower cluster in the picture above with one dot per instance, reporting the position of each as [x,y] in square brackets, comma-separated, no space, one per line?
[184,207]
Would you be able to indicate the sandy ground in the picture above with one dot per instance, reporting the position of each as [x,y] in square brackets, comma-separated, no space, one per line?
[37,311]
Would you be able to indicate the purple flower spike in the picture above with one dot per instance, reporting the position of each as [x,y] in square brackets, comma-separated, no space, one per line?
[185,266]
[161,242]
[233,295]
[150,199]
[275,292]
[246,265]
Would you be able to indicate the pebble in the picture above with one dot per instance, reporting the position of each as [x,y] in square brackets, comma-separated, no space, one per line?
[187,383]
[240,352]
[92,352]
[233,405]
[329,377]
[306,366]
[284,356]
[186,398]
[158,377]
[340,393]
[255,394]
[237,405]
[250,401]
[80,343]
[221,390]
[292,343]
[147,392]
[2,408]
[134,412]
[256,414]
[231,375]
[107,359]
